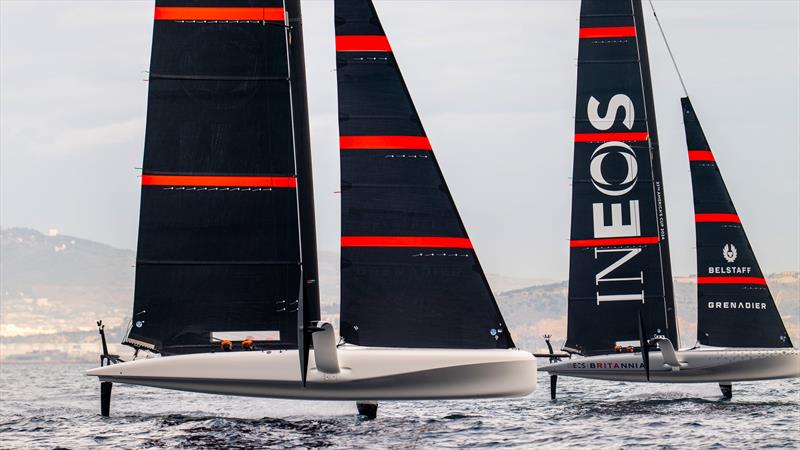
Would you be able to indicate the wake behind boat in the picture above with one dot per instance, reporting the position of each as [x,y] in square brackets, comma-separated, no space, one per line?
[621,310]
[226,273]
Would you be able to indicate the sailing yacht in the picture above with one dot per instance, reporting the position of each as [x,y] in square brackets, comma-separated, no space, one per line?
[226,273]
[621,304]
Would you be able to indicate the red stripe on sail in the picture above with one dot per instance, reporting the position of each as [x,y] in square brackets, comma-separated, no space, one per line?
[362,44]
[731,280]
[607,32]
[610,242]
[606,137]
[701,155]
[384,142]
[730,218]
[226,13]
[218,181]
[405,241]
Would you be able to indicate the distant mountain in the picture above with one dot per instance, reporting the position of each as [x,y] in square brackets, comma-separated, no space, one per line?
[56,284]
[54,287]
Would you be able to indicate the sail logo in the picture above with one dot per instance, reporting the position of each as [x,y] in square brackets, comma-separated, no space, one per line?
[606,122]
[620,225]
[729,253]
[730,270]
[736,305]
[596,169]
[608,365]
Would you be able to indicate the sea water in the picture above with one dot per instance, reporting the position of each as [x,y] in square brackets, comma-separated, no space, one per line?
[49,406]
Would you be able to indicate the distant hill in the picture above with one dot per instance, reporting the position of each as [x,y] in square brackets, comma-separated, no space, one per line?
[537,310]
[55,284]
[53,288]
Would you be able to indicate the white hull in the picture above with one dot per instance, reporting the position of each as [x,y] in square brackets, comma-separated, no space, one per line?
[700,365]
[365,374]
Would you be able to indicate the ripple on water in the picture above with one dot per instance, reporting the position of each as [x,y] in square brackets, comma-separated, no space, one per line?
[63,413]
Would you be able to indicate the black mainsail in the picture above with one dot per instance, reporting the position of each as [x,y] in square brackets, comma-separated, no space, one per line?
[734,304]
[226,186]
[410,276]
[619,253]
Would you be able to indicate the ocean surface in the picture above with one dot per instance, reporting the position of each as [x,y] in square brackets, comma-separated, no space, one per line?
[56,406]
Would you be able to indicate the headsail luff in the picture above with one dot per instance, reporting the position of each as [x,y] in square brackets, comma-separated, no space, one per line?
[410,277]
[618,253]
[734,304]
[219,240]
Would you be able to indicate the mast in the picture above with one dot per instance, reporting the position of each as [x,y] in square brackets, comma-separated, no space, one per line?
[658,179]
[305,176]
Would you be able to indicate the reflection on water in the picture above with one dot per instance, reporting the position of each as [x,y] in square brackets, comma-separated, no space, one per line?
[56,406]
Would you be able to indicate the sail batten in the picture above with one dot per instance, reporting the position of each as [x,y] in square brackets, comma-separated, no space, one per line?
[734,305]
[410,274]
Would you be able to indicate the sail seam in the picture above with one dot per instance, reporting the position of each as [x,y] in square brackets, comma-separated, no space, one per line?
[227,181]
[731,280]
[363,43]
[717,217]
[611,242]
[384,142]
[253,14]
[406,241]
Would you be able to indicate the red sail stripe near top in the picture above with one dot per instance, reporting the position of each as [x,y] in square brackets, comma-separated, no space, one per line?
[606,137]
[224,13]
[218,181]
[610,242]
[384,142]
[406,241]
[362,44]
[607,32]
[701,155]
[731,218]
[731,280]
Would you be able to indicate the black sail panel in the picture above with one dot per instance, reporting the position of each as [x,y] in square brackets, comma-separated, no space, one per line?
[617,238]
[218,246]
[734,304]
[410,277]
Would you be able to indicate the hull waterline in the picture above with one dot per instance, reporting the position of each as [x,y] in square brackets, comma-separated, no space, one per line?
[365,374]
[701,365]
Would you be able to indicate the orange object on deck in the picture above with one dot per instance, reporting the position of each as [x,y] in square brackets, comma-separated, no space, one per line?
[226,345]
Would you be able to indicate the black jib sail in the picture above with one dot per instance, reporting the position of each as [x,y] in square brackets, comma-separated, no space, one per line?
[619,256]
[734,305]
[226,159]
[410,277]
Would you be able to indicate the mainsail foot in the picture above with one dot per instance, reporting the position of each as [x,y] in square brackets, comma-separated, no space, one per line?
[727,390]
[368,409]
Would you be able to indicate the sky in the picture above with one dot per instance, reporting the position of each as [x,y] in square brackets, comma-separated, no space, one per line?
[494,83]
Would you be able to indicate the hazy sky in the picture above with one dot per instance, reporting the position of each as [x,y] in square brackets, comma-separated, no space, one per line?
[494,82]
